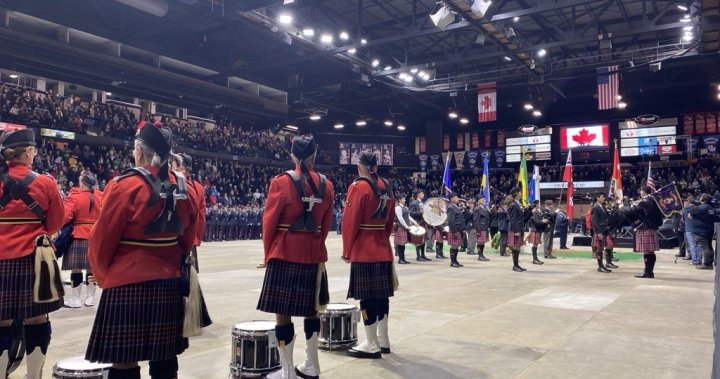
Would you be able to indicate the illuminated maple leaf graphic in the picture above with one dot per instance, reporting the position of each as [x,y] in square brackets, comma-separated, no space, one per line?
[584,137]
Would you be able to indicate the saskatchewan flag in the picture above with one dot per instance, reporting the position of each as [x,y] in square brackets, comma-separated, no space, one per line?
[523,180]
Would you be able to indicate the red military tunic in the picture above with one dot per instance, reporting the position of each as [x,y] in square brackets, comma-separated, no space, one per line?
[18,224]
[77,211]
[283,207]
[123,218]
[202,209]
[362,243]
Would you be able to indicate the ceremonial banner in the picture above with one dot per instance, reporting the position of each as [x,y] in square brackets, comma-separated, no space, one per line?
[688,124]
[488,139]
[668,200]
[568,178]
[474,140]
[435,162]
[487,102]
[446,142]
[447,181]
[472,159]
[608,87]
[423,162]
[711,122]
[460,143]
[459,157]
[616,188]
[485,181]
[422,145]
[499,157]
[500,138]
[700,123]
[523,181]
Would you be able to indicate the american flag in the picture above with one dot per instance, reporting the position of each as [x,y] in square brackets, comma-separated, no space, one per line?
[650,181]
[608,82]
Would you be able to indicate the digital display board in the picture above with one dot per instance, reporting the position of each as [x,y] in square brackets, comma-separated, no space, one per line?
[656,138]
[57,133]
[588,137]
[536,146]
[350,152]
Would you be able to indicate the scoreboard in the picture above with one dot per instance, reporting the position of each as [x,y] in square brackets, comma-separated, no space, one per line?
[656,138]
[536,146]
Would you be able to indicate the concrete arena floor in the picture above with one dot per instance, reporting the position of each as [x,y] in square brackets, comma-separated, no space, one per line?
[560,320]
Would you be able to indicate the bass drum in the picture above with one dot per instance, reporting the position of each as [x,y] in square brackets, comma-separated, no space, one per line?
[17,350]
[435,211]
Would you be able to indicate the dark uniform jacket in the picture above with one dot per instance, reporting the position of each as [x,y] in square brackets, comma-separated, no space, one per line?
[415,208]
[648,213]
[503,222]
[599,219]
[481,218]
[456,219]
[516,217]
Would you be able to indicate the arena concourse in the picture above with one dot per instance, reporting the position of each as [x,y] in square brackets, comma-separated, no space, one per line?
[359,189]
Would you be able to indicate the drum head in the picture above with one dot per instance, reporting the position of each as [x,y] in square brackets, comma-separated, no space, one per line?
[255,326]
[417,230]
[79,364]
[340,307]
[435,211]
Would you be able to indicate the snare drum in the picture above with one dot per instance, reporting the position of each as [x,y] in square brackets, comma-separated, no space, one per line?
[417,235]
[254,349]
[78,367]
[338,326]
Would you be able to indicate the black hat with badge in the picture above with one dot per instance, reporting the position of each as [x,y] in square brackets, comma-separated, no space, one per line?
[157,137]
[15,138]
[303,146]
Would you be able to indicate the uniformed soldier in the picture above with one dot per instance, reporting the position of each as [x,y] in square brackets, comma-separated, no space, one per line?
[516,225]
[82,208]
[297,219]
[148,221]
[224,223]
[30,206]
[481,223]
[367,225]
[456,224]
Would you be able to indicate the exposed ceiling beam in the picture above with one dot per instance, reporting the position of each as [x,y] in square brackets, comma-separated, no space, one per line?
[539,9]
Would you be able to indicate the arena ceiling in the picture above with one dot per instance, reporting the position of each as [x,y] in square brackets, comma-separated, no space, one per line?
[252,57]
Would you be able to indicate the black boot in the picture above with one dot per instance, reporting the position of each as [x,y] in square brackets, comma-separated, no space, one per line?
[453,258]
[536,261]
[601,268]
[481,255]
[608,259]
[422,254]
[516,261]
[649,266]
[418,256]
[439,250]
[401,255]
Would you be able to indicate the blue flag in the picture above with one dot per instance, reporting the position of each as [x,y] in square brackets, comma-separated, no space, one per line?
[485,181]
[668,199]
[447,182]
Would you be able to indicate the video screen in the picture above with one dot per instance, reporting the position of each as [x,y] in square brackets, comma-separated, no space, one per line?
[588,137]
[350,151]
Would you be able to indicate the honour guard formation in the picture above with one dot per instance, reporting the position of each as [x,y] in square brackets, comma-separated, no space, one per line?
[525,194]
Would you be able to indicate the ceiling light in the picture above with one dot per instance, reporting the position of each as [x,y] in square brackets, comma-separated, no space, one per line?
[421,73]
[682,7]
[285,19]
[622,105]
[528,107]
[688,37]
[339,126]
[688,28]
[685,20]
[375,62]
[352,51]
[464,121]
[108,93]
[292,127]
[453,114]
[718,87]
[308,32]
[326,38]
[363,41]
[414,70]
[344,36]
[537,113]
[619,97]
[516,19]
[686,15]
[426,76]
[361,123]
[401,127]
[387,68]
[388,123]
[13,76]
[507,58]
[408,78]
[402,76]
[719,96]
[541,53]
[315,117]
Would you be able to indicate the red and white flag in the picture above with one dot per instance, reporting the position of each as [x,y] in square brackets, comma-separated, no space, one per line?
[568,178]
[616,188]
[487,102]
[608,83]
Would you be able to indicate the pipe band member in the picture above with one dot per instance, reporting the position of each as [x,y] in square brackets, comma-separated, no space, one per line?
[548,213]
[82,209]
[182,163]
[145,231]
[599,221]
[403,221]
[481,224]
[646,238]
[456,224]
[367,225]
[30,206]
[416,212]
[538,224]
[516,225]
[297,219]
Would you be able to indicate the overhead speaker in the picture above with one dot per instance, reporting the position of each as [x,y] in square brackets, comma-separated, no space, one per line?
[480,7]
[443,17]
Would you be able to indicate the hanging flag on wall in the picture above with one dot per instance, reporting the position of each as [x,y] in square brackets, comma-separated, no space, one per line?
[459,158]
[487,102]
[608,83]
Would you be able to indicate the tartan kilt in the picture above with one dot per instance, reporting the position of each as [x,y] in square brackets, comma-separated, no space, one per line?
[455,239]
[138,322]
[600,240]
[481,236]
[438,236]
[401,236]
[535,238]
[646,241]
[370,280]
[515,242]
[16,290]
[290,288]
[610,242]
[76,257]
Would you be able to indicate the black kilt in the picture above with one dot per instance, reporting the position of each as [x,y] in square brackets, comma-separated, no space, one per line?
[290,288]
[138,322]
[76,257]
[371,280]
[16,290]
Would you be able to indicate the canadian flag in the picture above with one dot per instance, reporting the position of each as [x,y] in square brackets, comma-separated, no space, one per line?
[487,102]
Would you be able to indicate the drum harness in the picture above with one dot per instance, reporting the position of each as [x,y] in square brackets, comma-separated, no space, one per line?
[19,190]
[305,222]
[384,195]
